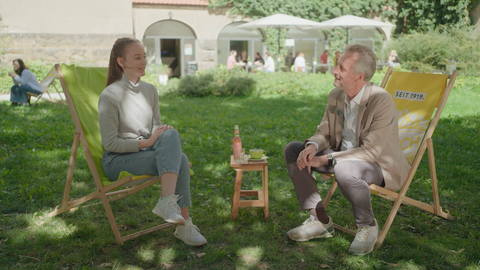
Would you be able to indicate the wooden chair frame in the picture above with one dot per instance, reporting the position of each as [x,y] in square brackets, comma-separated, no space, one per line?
[45,84]
[400,197]
[107,193]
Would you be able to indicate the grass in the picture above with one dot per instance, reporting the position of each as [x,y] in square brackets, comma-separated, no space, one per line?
[35,146]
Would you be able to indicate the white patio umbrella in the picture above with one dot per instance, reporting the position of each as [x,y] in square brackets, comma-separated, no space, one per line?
[349,21]
[281,21]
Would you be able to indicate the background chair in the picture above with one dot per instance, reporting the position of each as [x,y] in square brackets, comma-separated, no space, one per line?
[45,83]
[82,88]
[420,94]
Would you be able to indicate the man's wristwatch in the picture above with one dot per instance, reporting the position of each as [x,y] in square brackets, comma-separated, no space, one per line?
[331,160]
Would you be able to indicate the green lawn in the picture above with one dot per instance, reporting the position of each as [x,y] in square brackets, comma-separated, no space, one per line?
[35,146]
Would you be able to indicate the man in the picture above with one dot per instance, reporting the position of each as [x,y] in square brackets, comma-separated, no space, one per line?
[269,66]
[358,141]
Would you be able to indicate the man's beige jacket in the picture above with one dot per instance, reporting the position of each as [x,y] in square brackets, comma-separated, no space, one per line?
[377,133]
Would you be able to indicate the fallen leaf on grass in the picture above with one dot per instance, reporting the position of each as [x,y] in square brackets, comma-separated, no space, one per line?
[40,217]
[106,265]
[41,223]
[460,251]
[200,255]
[324,266]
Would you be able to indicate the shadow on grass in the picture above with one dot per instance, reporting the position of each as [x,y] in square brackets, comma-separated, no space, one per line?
[32,181]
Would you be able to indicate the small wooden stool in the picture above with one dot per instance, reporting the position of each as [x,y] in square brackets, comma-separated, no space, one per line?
[238,192]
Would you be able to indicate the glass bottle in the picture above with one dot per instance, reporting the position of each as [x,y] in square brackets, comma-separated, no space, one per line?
[237,142]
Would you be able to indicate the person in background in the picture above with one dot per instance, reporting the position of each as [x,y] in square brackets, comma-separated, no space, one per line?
[393,60]
[258,62]
[269,63]
[324,57]
[299,65]
[232,62]
[258,59]
[24,81]
[323,61]
[136,141]
[335,58]
[243,57]
[358,141]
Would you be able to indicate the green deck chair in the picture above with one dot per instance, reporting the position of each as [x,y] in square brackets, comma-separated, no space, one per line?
[82,88]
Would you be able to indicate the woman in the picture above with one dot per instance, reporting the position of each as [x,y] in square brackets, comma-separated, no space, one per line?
[258,59]
[232,62]
[136,141]
[393,60]
[243,57]
[25,81]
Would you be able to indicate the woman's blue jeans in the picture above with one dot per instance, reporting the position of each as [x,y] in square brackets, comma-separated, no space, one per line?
[164,156]
[18,93]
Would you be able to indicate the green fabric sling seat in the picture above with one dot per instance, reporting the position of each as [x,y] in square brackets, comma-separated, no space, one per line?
[82,87]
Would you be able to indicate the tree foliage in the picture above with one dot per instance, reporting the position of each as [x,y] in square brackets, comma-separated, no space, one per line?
[424,15]
[314,10]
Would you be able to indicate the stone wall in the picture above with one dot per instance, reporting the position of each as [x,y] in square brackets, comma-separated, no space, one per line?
[62,31]
[86,49]
[207,53]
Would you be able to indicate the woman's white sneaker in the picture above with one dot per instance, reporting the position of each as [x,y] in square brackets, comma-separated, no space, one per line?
[190,234]
[168,209]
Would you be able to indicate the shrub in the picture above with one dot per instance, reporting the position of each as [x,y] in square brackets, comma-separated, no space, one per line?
[223,82]
[434,50]
[216,82]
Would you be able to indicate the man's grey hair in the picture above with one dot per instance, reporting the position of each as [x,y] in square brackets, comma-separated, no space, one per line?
[366,61]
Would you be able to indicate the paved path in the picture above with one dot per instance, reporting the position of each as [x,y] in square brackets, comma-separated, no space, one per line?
[54,95]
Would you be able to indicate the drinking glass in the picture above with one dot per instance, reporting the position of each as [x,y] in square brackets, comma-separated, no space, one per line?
[239,155]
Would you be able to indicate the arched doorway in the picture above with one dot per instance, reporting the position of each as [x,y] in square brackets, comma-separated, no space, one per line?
[172,43]
[233,38]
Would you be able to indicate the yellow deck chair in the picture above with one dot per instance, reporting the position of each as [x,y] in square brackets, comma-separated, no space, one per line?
[416,95]
[82,88]
[44,84]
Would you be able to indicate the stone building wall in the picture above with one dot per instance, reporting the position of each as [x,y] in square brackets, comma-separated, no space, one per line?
[205,23]
[63,31]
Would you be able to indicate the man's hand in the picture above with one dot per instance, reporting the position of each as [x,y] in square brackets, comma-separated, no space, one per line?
[317,161]
[305,156]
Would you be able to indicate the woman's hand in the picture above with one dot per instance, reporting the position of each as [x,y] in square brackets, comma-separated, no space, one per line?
[153,138]
[12,74]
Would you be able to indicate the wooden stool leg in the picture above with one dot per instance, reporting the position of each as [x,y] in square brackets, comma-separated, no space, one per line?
[236,194]
[265,190]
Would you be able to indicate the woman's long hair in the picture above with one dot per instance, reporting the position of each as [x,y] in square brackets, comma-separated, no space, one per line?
[21,68]
[119,50]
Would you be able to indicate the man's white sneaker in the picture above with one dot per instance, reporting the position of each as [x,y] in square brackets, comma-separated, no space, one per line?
[311,229]
[190,234]
[168,209]
[364,240]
